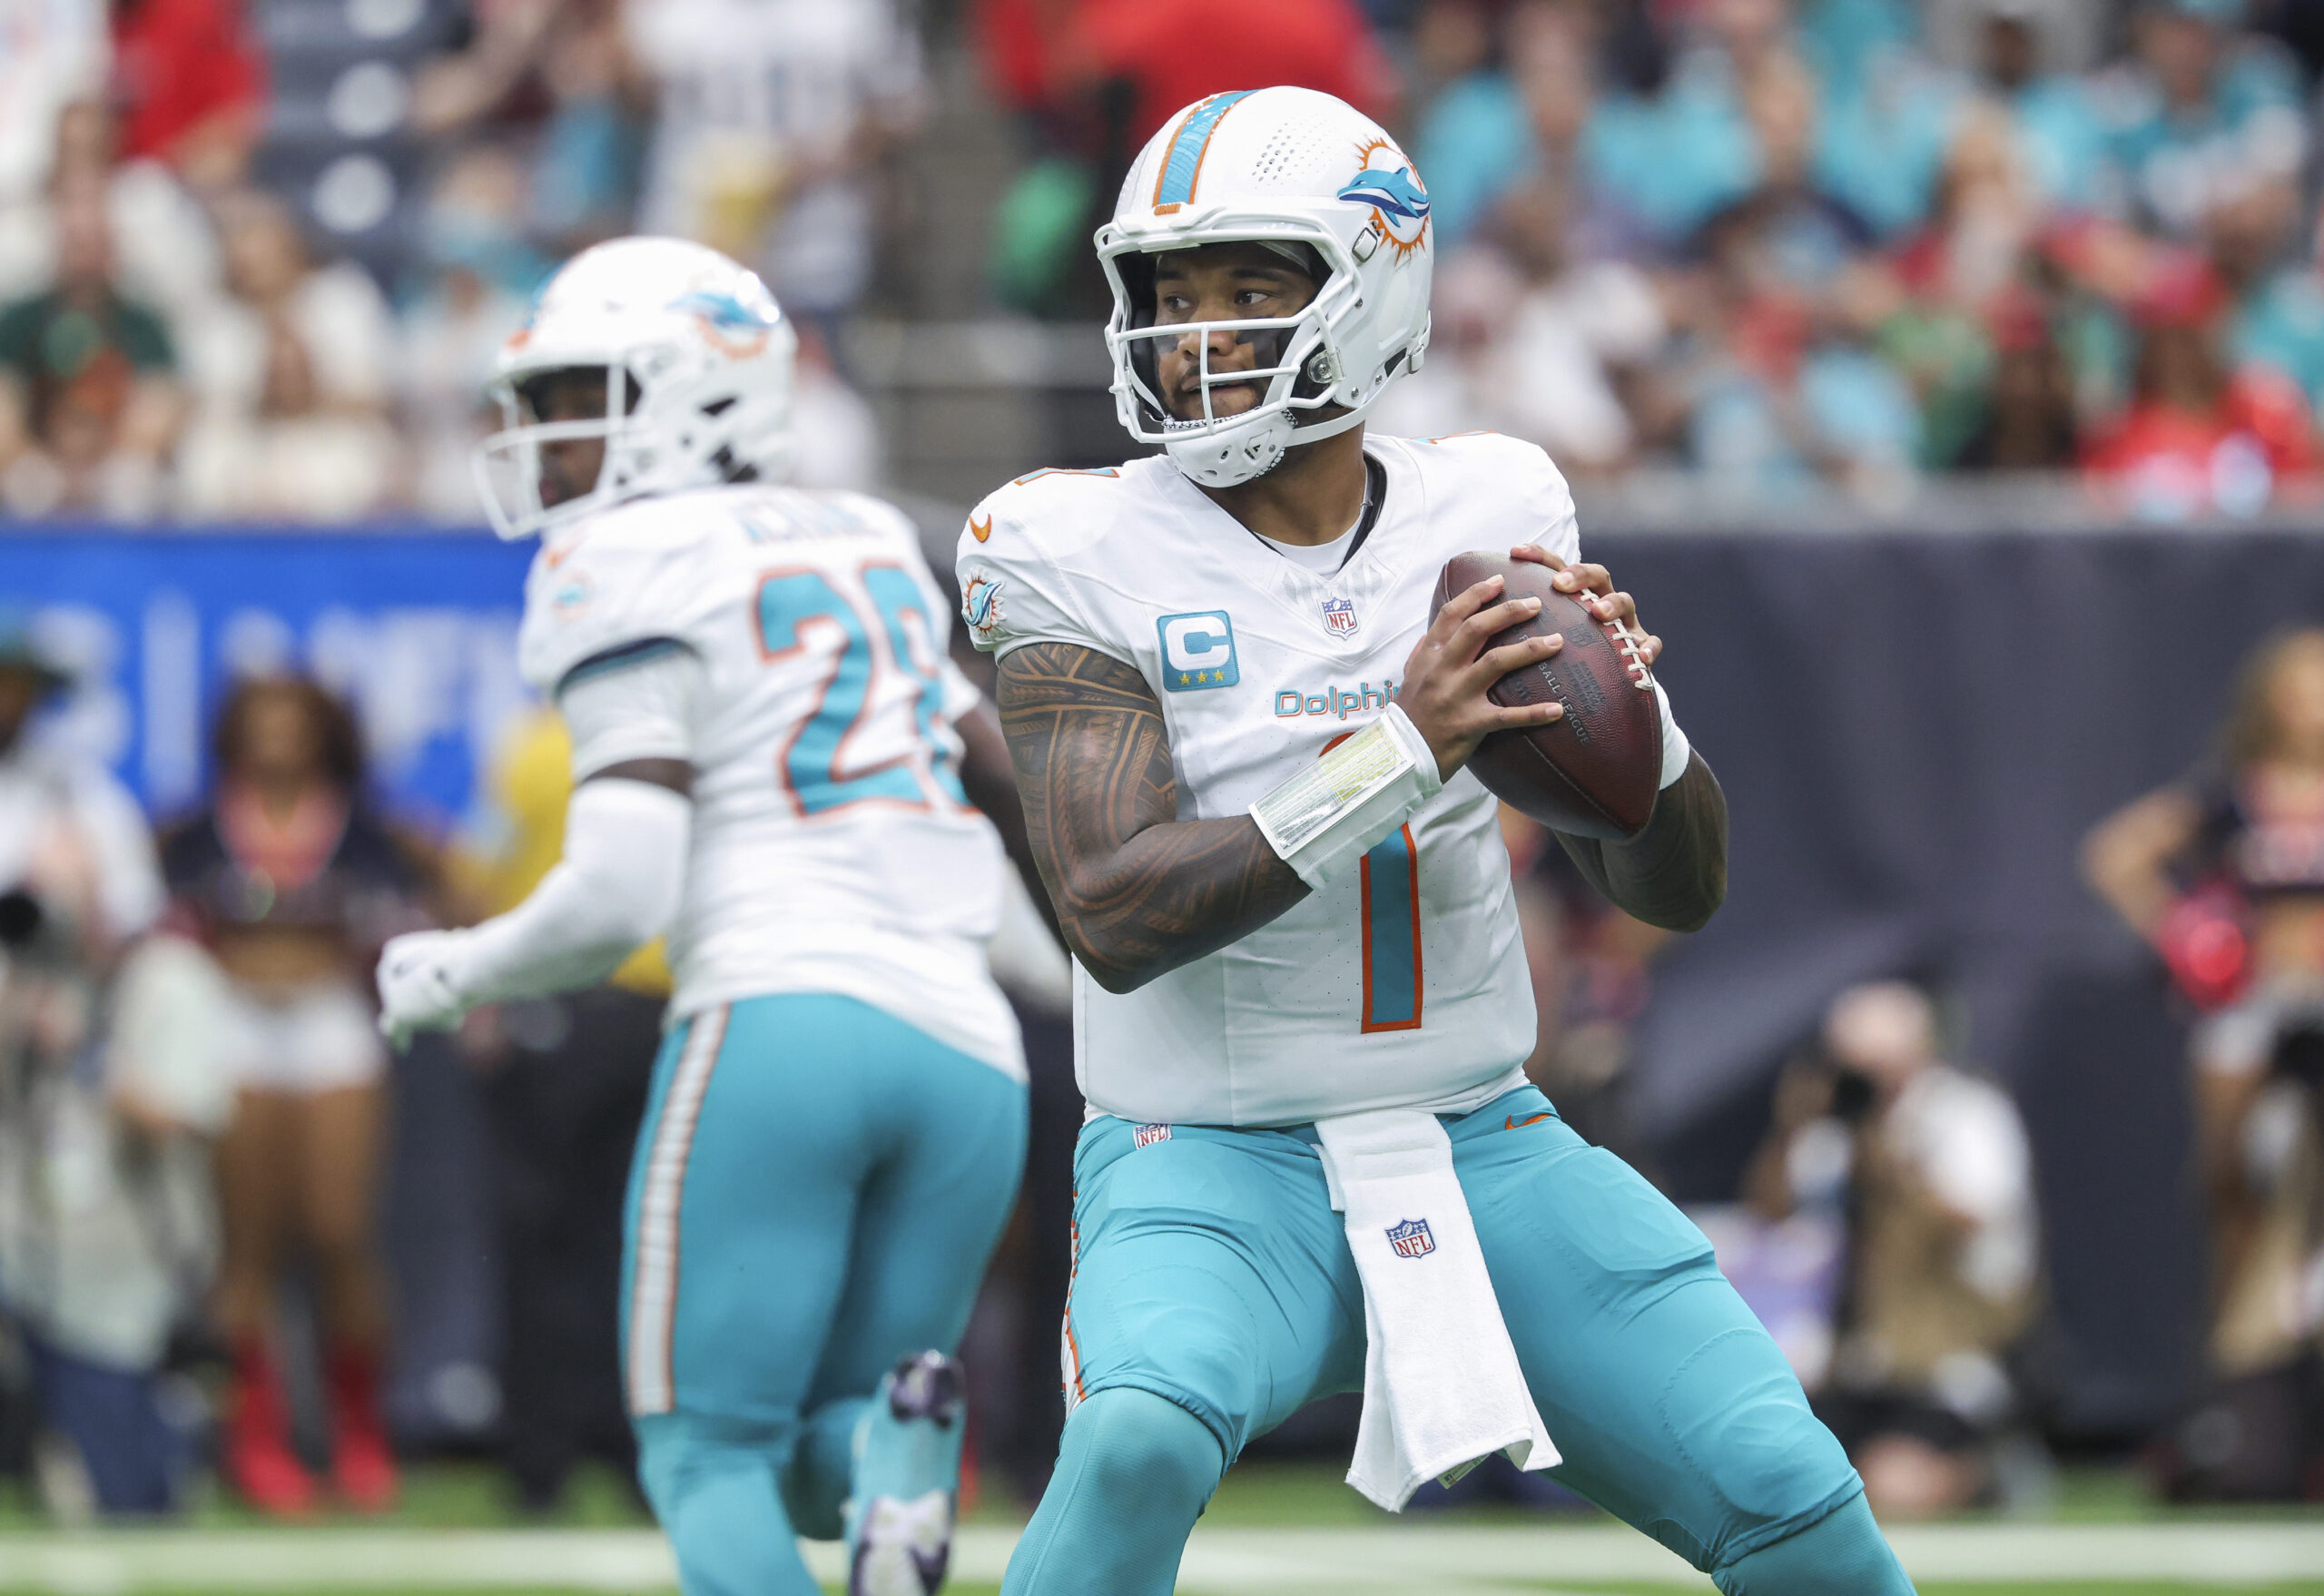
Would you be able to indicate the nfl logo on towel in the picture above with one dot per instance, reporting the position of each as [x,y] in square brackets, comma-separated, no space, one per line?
[1147,1135]
[1410,1239]
[1339,615]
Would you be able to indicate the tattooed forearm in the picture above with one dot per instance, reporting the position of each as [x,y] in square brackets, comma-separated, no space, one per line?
[1672,874]
[1138,891]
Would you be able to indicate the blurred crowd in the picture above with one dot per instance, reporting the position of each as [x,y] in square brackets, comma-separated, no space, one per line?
[1856,241]
[256,255]
[1779,241]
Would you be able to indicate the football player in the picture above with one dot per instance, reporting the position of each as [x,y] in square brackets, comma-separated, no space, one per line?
[1239,733]
[775,762]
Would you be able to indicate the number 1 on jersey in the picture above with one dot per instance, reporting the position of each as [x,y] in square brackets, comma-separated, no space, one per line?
[1393,975]
[1392,959]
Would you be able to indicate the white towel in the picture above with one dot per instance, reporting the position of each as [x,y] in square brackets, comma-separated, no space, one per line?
[1441,1388]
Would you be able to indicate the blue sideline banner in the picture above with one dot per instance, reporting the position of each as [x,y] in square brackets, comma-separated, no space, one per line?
[417,629]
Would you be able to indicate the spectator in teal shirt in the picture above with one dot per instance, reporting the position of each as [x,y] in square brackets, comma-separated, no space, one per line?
[1471,146]
[1538,118]
[1888,112]
[2058,134]
[2278,319]
[1667,161]
[1784,389]
[2202,107]
[1689,151]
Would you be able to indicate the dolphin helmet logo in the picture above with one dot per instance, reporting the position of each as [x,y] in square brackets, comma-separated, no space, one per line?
[731,326]
[1393,191]
[1390,186]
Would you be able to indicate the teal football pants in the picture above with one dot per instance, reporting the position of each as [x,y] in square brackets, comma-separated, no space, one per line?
[817,1187]
[1212,1274]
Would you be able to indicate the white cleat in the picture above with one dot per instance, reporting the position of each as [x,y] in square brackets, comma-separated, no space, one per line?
[904,1547]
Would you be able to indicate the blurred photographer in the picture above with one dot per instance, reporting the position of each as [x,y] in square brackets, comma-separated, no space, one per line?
[2223,873]
[107,1097]
[1929,1169]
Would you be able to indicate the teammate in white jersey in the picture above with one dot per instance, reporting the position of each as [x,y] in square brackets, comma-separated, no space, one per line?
[769,754]
[1296,996]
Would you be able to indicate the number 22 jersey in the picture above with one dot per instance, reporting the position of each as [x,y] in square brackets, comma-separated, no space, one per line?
[1404,983]
[832,849]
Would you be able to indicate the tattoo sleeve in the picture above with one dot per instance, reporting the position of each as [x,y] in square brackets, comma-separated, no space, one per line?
[1672,874]
[1138,891]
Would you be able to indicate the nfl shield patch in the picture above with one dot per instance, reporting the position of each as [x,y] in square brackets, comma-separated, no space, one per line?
[1410,1239]
[1146,1136]
[1339,616]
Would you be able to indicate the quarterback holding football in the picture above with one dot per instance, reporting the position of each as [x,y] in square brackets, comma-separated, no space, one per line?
[1242,731]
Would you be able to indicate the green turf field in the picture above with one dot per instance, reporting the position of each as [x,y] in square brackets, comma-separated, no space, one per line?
[1275,1528]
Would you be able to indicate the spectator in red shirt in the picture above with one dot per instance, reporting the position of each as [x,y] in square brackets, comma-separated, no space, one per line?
[1172,53]
[1095,79]
[2199,436]
[192,87]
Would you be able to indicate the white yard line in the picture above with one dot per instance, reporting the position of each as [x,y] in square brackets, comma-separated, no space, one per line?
[2215,1553]
[1417,1560]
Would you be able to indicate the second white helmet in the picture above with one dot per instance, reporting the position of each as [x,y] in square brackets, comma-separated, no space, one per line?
[697,361]
[1283,166]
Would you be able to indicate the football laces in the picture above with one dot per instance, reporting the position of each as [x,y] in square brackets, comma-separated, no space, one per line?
[1631,644]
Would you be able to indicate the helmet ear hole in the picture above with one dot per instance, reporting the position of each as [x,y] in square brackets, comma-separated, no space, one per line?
[1138,287]
[1146,362]
[719,407]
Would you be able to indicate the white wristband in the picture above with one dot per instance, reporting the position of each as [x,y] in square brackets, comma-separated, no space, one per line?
[1675,747]
[1329,815]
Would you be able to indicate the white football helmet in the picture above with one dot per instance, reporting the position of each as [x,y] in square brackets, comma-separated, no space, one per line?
[697,361]
[1283,166]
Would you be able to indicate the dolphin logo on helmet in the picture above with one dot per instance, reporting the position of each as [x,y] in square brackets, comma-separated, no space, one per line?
[731,326]
[1398,194]
[1399,204]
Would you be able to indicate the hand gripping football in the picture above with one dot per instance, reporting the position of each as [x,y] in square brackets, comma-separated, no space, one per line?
[1595,772]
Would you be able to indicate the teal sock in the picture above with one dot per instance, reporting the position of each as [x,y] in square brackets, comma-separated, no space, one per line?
[823,1473]
[1843,1553]
[1133,1474]
[715,1492]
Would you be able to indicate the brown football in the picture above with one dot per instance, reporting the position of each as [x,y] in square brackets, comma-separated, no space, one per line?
[1594,772]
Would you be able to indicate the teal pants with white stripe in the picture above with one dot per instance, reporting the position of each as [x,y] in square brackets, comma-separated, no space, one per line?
[817,1188]
[1214,1294]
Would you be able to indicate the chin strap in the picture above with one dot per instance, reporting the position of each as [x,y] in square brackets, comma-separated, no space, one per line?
[1316,431]
[1216,452]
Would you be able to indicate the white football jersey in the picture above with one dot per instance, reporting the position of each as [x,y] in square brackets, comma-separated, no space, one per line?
[832,849]
[1402,984]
